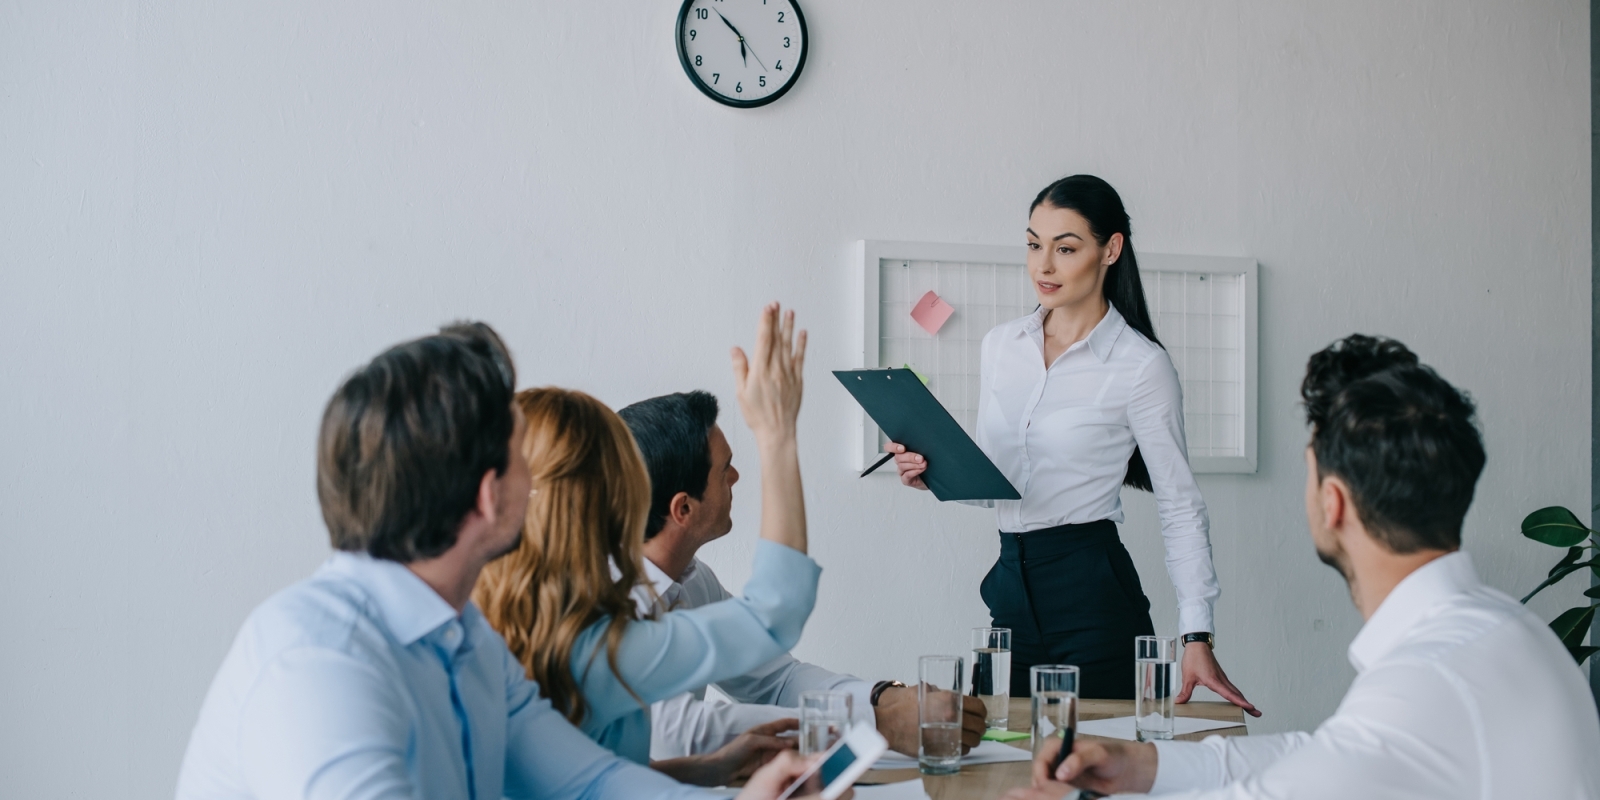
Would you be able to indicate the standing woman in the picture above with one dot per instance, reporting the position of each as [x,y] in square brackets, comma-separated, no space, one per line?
[1076,400]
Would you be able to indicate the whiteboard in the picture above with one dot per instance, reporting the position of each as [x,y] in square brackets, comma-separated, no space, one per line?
[1203,307]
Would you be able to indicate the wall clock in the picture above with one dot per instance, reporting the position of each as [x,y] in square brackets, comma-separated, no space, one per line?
[742,53]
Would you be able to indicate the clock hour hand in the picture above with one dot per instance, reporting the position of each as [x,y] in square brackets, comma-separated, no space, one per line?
[743,49]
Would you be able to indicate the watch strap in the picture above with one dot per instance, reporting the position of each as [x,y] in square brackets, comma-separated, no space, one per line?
[1209,639]
[879,688]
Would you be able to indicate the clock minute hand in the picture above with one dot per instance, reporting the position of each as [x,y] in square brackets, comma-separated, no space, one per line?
[743,46]
[741,39]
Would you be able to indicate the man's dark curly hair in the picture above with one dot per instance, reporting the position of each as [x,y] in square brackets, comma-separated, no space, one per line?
[1404,440]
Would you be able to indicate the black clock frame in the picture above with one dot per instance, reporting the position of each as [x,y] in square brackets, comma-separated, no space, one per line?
[688,69]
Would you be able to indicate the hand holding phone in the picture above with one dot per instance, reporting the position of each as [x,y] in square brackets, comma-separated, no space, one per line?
[838,768]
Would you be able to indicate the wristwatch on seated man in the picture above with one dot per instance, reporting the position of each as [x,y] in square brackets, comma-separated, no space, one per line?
[1209,639]
[879,687]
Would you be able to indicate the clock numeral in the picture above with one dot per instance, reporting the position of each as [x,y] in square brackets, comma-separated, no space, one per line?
[715,76]
[780,65]
[697,61]
[739,87]
[780,16]
[763,79]
[785,39]
[693,32]
[702,13]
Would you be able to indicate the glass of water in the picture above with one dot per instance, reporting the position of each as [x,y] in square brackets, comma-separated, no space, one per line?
[824,717]
[991,674]
[939,714]
[1055,700]
[1155,665]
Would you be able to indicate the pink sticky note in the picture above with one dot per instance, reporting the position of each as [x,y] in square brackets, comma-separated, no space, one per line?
[931,312]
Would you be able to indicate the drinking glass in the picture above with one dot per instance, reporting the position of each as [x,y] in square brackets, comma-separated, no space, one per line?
[1055,700]
[991,674]
[824,717]
[939,714]
[1155,665]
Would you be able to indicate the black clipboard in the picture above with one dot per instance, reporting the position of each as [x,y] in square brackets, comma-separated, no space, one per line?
[909,414]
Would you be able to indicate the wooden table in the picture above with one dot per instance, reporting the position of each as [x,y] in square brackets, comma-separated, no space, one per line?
[993,780]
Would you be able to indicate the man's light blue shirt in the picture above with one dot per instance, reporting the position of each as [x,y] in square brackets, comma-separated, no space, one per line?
[361,683]
[688,649]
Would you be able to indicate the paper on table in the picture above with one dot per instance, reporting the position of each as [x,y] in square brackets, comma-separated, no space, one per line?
[904,790]
[931,312]
[1122,727]
[984,753]
[994,735]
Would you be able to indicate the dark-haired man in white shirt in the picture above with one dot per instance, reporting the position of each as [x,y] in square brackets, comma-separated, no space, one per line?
[1460,692]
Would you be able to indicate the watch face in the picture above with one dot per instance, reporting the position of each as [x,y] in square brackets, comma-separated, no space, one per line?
[742,53]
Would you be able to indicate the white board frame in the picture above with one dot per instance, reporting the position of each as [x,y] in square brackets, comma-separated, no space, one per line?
[871,253]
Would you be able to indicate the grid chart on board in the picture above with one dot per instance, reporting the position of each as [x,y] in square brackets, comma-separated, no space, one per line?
[1198,316]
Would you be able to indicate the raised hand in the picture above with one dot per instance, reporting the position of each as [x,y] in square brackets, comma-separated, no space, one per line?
[769,382]
[769,385]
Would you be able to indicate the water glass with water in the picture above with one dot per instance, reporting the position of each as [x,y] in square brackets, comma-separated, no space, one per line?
[1055,700]
[1155,667]
[824,717]
[939,714]
[991,674]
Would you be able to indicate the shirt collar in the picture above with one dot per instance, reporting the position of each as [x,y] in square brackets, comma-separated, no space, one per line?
[1099,340]
[410,608]
[1411,601]
[663,583]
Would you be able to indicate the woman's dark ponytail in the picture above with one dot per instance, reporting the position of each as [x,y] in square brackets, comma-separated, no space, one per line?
[1102,207]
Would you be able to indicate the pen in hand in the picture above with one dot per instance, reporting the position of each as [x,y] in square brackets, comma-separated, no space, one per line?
[1061,756]
[880,463]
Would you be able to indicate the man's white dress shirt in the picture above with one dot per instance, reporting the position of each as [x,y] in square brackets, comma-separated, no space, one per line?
[1063,437]
[361,683]
[688,724]
[1460,693]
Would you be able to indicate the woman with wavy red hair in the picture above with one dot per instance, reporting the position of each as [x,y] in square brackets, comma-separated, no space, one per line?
[562,598]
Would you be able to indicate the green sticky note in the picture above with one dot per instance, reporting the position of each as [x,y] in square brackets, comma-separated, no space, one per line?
[920,376]
[1005,736]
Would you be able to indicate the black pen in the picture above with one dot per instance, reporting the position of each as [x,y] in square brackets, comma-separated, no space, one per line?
[880,463]
[1061,755]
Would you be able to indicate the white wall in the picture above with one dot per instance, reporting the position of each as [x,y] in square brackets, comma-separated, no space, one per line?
[211,211]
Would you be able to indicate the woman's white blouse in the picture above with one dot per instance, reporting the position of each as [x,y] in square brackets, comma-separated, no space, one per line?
[1063,437]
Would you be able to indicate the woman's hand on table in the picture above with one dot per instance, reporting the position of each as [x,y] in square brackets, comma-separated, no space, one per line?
[734,761]
[1200,668]
[772,779]
[1105,767]
[909,464]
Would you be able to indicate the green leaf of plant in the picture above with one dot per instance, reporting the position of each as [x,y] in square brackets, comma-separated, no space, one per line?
[1579,654]
[1558,574]
[1572,625]
[1554,526]
[1594,591]
[1573,554]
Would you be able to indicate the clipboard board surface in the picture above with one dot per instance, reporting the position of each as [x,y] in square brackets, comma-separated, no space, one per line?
[909,414]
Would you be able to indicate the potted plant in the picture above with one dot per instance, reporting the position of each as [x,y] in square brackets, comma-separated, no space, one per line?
[1558,527]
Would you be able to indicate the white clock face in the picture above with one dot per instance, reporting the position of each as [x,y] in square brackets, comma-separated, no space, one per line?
[742,52]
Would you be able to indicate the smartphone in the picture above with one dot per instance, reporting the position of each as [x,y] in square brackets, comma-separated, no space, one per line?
[839,767]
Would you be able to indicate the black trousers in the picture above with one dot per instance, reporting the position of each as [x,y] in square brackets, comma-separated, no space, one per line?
[1070,595]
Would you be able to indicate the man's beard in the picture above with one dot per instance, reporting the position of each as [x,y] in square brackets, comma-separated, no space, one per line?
[1336,560]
